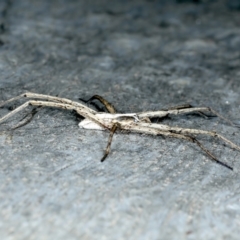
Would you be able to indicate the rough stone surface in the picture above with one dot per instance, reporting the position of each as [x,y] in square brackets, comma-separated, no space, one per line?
[140,55]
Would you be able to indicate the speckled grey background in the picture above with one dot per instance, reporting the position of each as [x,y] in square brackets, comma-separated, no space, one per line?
[140,55]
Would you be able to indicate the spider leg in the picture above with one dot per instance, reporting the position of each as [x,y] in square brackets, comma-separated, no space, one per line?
[11,100]
[80,110]
[205,109]
[26,119]
[99,109]
[154,131]
[182,106]
[107,150]
[166,115]
[48,98]
[162,113]
[16,110]
[185,131]
[222,117]
[194,140]
[110,108]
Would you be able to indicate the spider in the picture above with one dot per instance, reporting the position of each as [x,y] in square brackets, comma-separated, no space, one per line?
[130,122]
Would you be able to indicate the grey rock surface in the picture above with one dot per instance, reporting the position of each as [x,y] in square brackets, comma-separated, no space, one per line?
[140,55]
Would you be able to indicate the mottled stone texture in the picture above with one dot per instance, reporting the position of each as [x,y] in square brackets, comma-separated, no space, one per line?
[140,55]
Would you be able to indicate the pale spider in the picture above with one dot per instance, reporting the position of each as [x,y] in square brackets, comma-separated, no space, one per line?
[131,122]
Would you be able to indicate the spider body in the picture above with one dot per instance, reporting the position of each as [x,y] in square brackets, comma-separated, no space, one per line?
[108,119]
[131,122]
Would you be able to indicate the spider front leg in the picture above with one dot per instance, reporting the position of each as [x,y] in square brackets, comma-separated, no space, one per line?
[83,111]
[13,112]
[49,98]
[56,102]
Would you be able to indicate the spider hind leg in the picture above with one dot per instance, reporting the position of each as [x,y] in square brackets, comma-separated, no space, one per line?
[107,150]
[194,140]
